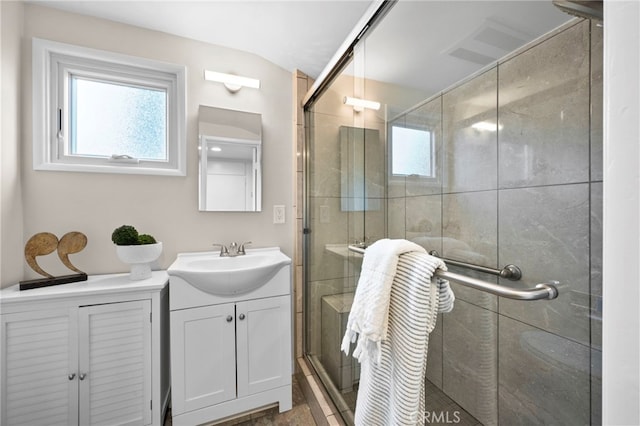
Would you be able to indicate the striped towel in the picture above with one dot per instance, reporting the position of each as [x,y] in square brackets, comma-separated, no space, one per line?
[392,391]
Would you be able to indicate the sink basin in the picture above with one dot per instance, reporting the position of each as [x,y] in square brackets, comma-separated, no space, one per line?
[209,272]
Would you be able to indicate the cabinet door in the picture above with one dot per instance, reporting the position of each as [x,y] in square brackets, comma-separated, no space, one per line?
[203,370]
[264,344]
[115,363]
[39,368]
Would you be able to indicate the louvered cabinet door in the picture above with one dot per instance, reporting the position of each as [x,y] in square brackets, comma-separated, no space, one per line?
[39,365]
[115,364]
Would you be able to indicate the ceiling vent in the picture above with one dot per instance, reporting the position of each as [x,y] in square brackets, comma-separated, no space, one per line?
[490,42]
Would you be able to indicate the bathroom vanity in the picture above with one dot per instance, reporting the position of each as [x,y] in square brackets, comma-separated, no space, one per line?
[231,338]
[91,352]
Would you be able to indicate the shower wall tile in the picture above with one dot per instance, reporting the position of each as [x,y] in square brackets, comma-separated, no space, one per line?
[470,367]
[544,112]
[424,221]
[428,117]
[596,387]
[470,153]
[375,160]
[476,297]
[596,265]
[396,213]
[543,378]
[434,356]
[325,167]
[316,291]
[596,101]
[470,227]
[549,242]
[329,225]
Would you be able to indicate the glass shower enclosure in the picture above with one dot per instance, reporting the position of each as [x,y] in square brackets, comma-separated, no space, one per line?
[490,157]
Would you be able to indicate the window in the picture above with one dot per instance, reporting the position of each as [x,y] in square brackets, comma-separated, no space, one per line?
[411,152]
[98,111]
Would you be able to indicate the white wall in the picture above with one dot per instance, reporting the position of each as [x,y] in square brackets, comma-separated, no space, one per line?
[11,241]
[166,207]
[621,225]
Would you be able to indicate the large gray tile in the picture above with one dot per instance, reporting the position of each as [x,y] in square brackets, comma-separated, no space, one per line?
[428,117]
[470,227]
[596,101]
[543,378]
[470,153]
[596,387]
[545,231]
[596,265]
[316,290]
[424,221]
[470,234]
[470,367]
[329,225]
[476,297]
[396,217]
[544,112]
[324,155]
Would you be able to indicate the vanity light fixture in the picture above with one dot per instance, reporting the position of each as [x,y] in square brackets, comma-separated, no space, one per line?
[359,104]
[486,125]
[233,83]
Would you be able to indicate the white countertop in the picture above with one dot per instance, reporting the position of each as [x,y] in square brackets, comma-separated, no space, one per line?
[95,285]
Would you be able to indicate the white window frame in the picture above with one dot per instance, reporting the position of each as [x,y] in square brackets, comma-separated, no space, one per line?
[54,63]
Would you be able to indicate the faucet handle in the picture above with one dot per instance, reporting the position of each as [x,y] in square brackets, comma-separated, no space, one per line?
[241,249]
[223,249]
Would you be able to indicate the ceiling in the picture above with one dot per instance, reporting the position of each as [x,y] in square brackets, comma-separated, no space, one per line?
[422,44]
[302,34]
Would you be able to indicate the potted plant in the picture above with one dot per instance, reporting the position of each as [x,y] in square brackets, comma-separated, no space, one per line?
[138,250]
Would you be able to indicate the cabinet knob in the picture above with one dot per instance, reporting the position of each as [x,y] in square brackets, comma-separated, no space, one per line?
[242,316]
[82,376]
[229,318]
[72,376]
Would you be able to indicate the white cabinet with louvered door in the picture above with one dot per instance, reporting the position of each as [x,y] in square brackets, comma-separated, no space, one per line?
[90,353]
[39,364]
[115,364]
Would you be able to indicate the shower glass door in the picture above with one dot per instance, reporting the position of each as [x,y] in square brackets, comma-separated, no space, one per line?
[489,164]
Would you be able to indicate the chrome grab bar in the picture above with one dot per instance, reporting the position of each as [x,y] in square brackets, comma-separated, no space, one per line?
[510,272]
[547,291]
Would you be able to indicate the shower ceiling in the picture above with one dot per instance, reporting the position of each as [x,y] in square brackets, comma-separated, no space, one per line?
[455,39]
[459,36]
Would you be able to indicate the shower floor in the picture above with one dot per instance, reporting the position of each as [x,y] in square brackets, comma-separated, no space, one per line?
[440,409]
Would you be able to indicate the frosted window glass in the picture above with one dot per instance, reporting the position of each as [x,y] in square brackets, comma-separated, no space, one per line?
[109,118]
[411,151]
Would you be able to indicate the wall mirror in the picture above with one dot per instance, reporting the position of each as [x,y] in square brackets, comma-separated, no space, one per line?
[230,153]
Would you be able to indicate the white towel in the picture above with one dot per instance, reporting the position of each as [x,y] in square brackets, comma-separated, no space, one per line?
[369,316]
[391,392]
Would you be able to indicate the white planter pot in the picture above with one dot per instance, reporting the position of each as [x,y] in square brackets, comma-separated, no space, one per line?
[140,258]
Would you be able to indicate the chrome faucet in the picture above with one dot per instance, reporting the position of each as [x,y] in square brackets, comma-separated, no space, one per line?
[233,250]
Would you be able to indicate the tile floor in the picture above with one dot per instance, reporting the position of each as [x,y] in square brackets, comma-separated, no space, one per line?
[299,415]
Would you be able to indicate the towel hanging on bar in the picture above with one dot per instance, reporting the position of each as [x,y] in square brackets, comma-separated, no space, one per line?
[546,290]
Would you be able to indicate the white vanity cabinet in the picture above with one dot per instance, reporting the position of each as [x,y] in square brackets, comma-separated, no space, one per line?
[232,353]
[87,353]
